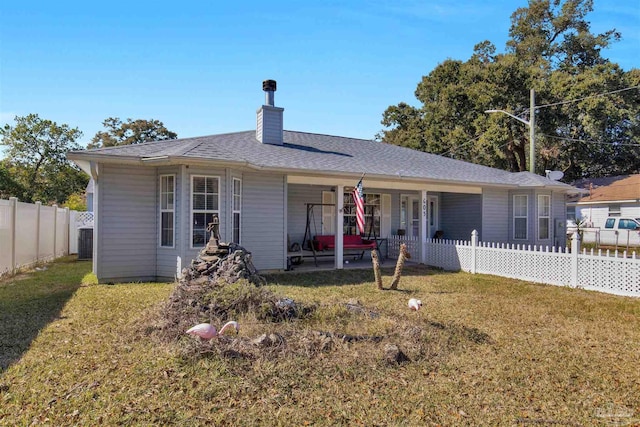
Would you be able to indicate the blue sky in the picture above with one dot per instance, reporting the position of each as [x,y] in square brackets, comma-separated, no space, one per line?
[198,66]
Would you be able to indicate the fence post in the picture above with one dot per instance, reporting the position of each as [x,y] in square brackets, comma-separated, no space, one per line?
[13,216]
[575,251]
[474,248]
[55,229]
[67,218]
[38,219]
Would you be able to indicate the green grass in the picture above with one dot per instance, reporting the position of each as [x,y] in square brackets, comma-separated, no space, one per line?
[483,351]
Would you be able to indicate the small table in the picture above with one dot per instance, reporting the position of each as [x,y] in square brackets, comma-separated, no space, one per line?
[379,242]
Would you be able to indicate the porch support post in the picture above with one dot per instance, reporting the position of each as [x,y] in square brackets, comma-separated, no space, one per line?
[285,222]
[423,226]
[339,252]
[228,215]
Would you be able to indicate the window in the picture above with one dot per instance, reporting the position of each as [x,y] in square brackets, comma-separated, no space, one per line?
[627,224]
[610,223]
[236,208]
[544,217]
[205,202]
[520,208]
[624,224]
[167,210]
[371,206]
[614,210]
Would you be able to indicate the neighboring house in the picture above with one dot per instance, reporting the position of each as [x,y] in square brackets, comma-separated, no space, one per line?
[153,201]
[605,197]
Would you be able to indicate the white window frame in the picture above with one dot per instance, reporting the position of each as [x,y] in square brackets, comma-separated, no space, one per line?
[525,216]
[167,209]
[542,216]
[350,213]
[614,209]
[202,211]
[236,209]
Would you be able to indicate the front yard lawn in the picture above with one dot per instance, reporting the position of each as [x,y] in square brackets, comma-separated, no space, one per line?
[483,350]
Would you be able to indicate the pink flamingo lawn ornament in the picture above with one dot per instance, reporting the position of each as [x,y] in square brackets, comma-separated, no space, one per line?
[206,331]
[415,304]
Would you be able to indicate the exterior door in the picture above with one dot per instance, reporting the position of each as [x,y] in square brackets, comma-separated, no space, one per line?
[410,215]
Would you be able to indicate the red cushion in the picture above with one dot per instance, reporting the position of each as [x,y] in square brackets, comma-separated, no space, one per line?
[352,239]
[324,242]
[349,241]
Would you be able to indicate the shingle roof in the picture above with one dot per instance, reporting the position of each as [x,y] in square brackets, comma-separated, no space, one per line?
[310,152]
[627,188]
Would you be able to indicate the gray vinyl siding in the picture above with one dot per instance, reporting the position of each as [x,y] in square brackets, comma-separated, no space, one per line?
[298,197]
[395,211]
[269,124]
[128,226]
[263,219]
[460,214]
[558,215]
[495,216]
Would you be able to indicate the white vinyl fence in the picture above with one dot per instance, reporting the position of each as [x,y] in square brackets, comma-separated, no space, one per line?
[32,233]
[617,273]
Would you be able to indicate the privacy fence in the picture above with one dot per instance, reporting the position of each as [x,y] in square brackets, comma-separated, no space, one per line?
[33,233]
[612,272]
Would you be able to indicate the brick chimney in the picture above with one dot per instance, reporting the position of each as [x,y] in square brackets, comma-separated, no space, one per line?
[269,117]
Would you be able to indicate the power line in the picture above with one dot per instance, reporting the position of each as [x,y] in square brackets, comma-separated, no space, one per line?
[450,152]
[587,97]
[590,142]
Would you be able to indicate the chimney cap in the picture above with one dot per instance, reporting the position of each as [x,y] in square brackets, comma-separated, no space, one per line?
[269,85]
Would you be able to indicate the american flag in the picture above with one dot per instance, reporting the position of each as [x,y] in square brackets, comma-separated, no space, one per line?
[358,199]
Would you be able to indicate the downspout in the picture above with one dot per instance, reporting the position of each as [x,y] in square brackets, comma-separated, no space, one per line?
[94,169]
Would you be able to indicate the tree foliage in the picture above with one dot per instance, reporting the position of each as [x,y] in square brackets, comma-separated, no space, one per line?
[552,50]
[75,202]
[9,187]
[130,132]
[35,167]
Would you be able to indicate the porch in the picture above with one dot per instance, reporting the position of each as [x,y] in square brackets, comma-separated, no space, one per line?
[305,261]
[394,213]
[349,263]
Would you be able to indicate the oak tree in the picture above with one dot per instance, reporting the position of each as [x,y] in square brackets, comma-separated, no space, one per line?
[552,50]
[130,132]
[35,167]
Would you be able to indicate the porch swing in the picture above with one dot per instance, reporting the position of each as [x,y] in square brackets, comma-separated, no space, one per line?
[318,243]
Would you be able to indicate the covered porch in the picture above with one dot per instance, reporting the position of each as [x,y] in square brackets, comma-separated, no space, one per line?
[307,264]
[395,211]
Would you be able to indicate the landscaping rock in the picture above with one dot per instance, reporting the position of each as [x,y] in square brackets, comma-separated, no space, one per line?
[270,340]
[393,354]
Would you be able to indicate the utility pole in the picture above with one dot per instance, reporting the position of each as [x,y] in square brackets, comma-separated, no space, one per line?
[532,131]
[532,128]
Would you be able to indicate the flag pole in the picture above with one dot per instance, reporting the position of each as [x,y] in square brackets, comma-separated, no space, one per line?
[359,204]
